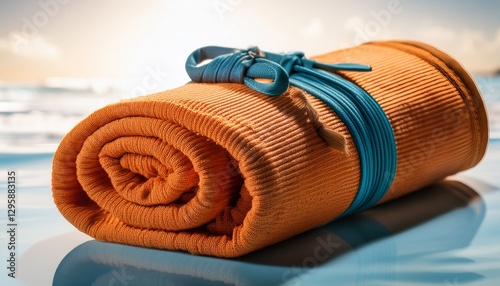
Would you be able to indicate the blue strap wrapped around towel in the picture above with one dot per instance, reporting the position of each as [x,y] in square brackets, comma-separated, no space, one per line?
[363,116]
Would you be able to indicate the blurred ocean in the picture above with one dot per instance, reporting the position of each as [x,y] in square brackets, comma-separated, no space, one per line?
[34,119]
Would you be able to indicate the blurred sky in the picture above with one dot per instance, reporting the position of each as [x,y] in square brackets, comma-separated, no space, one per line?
[126,38]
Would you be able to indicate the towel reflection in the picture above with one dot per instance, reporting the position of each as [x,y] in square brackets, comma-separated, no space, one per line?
[368,246]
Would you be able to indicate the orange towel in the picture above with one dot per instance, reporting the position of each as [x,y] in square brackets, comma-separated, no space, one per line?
[219,169]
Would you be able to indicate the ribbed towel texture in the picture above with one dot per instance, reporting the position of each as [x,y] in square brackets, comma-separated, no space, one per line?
[223,170]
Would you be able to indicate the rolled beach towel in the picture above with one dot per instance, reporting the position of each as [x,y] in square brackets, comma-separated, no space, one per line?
[219,167]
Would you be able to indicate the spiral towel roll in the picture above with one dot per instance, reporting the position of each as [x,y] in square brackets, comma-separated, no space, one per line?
[221,169]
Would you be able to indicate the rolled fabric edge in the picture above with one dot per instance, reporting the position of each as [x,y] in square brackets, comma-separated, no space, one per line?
[472,87]
[262,196]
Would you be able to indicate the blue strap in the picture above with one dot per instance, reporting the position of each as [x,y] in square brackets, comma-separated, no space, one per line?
[367,122]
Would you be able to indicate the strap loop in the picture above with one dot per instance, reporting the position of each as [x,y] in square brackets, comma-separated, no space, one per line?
[237,66]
